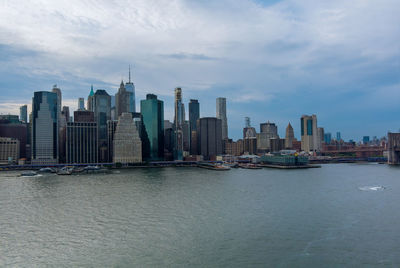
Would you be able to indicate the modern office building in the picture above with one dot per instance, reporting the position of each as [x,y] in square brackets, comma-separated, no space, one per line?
[310,141]
[289,137]
[81,104]
[152,111]
[84,116]
[194,114]
[221,114]
[111,128]
[127,144]
[100,104]
[45,112]
[366,140]
[9,150]
[23,113]
[81,142]
[130,87]
[122,101]
[209,137]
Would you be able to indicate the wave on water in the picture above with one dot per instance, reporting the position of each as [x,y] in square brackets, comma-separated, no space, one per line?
[371,188]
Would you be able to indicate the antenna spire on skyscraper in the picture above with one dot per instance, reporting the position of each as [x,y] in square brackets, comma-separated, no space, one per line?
[129,73]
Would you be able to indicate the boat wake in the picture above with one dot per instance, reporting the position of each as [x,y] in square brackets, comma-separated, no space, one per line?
[371,188]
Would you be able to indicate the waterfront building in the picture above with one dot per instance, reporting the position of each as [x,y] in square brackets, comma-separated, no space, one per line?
[122,101]
[130,87]
[327,138]
[127,143]
[111,128]
[289,137]
[221,114]
[9,150]
[235,148]
[17,130]
[209,137]
[81,104]
[152,111]
[169,140]
[310,142]
[277,144]
[23,113]
[81,141]
[45,111]
[100,104]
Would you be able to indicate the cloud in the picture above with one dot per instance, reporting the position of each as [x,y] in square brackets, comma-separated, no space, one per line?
[294,52]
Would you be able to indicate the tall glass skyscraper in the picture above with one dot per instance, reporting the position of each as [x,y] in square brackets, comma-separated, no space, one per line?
[130,87]
[221,114]
[100,104]
[194,113]
[45,128]
[152,111]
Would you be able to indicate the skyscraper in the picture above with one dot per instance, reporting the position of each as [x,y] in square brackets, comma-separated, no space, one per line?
[268,131]
[122,101]
[194,113]
[310,141]
[23,113]
[45,111]
[127,143]
[289,137]
[81,140]
[81,104]
[152,111]
[209,137]
[100,104]
[179,119]
[327,138]
[221,114]
[130,87]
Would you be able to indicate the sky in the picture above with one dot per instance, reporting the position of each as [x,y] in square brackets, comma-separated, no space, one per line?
[273,60]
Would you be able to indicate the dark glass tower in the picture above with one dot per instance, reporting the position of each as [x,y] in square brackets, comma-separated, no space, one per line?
[152,111]
[45,128]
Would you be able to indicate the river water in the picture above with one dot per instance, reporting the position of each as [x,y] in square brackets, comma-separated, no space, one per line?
[338,215]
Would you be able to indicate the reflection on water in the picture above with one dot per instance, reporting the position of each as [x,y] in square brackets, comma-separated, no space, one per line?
[198,217]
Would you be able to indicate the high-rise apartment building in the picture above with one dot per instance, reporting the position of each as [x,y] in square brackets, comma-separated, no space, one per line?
[127,143]
[209,137]
[310,141]
[152,111]
[221,114]
[45,112]
[23,113]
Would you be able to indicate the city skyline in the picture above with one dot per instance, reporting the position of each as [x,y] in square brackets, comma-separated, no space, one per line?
[321,53]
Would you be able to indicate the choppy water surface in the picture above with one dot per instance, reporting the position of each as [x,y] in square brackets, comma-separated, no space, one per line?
[338,215]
